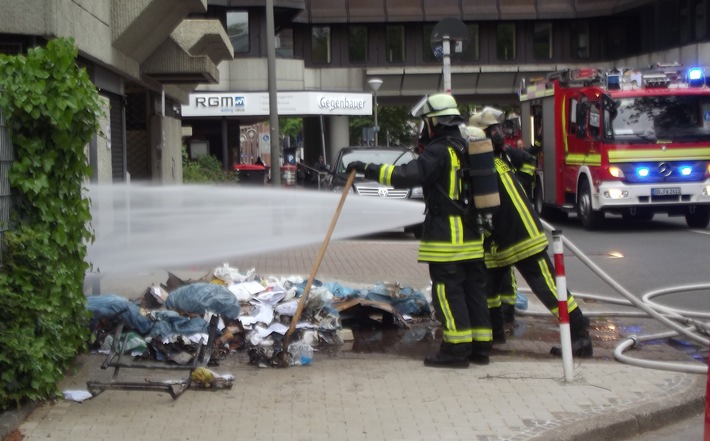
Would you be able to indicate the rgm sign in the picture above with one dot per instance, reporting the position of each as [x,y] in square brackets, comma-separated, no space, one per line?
[289,103]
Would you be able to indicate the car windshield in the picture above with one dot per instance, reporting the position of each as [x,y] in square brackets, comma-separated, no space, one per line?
[394,156]
[652,118]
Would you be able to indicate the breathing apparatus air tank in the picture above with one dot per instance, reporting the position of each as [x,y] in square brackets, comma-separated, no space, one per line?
[481,170]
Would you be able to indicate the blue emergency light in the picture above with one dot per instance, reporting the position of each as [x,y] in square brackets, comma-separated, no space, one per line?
[642,171]
[686,170]
[696,76]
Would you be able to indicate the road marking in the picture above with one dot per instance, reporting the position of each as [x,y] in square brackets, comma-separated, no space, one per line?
[701,231]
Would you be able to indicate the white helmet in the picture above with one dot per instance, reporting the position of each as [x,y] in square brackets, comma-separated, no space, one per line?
[487,117]
[440,104]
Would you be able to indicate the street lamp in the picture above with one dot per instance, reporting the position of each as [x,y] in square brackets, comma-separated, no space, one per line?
[375,84]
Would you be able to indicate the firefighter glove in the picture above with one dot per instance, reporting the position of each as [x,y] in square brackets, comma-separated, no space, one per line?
[358,166]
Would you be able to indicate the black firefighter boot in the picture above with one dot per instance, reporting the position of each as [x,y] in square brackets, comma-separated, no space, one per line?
[497,325]
[449,356]
[579,330]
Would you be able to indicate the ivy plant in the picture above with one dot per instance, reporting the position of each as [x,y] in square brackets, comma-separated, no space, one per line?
[52,110]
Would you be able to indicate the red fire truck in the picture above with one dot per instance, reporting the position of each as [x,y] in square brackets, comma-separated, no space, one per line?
[624,141]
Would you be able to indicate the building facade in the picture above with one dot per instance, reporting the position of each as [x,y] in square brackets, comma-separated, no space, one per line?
[153,60]
[340,45]
[144,56]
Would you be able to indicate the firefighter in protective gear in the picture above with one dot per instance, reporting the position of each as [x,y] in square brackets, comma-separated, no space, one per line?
[518,240]
[452,248]
[523,164]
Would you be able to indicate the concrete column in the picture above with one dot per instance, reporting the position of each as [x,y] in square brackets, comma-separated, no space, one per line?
[339,135]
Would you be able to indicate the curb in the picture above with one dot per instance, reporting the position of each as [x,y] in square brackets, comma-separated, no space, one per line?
[627,424]
[13,418]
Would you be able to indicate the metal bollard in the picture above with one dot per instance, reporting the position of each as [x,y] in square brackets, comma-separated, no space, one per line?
[561,281]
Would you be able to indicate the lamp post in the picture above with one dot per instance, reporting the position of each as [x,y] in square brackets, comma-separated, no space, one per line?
[375,84]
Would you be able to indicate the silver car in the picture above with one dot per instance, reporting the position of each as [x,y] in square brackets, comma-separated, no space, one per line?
[366,187]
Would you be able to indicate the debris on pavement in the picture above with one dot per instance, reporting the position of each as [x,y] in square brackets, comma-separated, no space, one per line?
[169,322]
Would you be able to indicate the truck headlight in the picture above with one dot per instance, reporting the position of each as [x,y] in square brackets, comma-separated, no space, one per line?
[616,193]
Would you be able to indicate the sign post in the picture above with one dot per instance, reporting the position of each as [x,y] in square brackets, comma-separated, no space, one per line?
[446,31]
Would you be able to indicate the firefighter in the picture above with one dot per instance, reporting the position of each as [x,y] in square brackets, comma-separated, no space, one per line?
[523,164]
[452,248]
[518,239]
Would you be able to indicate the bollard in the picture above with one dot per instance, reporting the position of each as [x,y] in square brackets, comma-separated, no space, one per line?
[561,281]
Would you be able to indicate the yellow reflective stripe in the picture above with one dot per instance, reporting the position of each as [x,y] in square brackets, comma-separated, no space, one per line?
[564,122]
[548,276]
[659,155]
[520,206]
[428,256]
[456,227]
[449,322]
[386,174]
[457,336]
[493,302]
[454,190]
[508,299]
[528,169]
[516,253]
[482,334]
[582,159]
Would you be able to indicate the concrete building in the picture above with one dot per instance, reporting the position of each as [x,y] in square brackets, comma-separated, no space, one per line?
[338,46]
[145,57]
[199,68]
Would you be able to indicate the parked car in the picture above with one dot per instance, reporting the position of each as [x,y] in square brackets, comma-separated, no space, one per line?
[366,187]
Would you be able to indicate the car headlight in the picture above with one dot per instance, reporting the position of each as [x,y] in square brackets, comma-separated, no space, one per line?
[417,193]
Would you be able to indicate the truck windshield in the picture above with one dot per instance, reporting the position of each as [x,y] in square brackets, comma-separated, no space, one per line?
[684,118]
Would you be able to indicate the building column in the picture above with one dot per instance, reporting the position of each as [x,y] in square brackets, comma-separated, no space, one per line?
[339,135]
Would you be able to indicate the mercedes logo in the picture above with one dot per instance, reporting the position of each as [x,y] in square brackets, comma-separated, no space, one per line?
[382,192]
[664,169]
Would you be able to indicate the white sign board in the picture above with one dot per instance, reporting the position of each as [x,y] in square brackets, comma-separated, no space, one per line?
[289,103]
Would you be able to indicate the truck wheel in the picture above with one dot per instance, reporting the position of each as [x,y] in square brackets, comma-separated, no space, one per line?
[699,218]
[590,219]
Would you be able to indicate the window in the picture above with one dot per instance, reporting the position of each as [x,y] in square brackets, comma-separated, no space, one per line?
[357,44]
[700,19]
[238,31]
[505,41]
[542,41]
[320,44]
[472,52]
[394,42]
[580,40]
[284,43]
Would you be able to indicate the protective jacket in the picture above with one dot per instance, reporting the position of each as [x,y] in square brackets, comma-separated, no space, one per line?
[517,233]
[524,165]
[445,236]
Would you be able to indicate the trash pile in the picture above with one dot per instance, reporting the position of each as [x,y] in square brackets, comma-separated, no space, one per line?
[170,322]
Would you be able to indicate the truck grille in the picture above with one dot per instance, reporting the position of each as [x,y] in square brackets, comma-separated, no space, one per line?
[383,192]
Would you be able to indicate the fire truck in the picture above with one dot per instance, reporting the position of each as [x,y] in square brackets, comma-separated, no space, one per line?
[631,142]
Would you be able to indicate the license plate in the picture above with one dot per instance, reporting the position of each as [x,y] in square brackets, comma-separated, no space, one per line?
[671,191]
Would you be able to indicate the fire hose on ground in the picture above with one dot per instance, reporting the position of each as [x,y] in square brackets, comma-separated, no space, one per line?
[682,322]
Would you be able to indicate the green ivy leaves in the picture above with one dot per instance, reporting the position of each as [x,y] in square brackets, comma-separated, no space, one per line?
[53,110]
